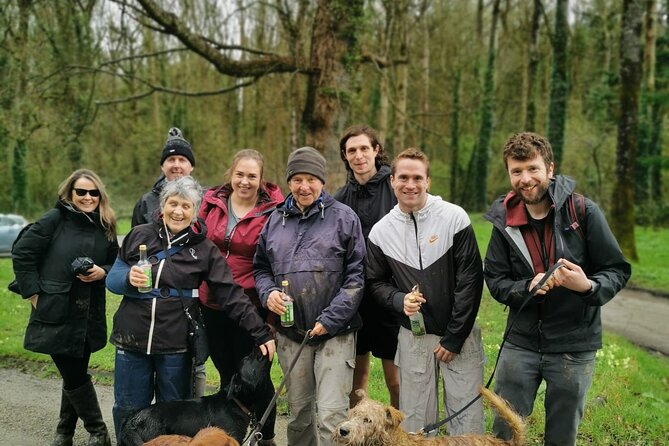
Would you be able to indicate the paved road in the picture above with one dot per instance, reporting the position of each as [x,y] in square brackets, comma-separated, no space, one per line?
[640,317]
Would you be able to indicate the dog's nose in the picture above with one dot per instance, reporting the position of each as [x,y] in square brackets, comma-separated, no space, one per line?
[343,431]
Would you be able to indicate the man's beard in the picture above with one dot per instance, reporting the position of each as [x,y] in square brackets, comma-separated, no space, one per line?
[542,193]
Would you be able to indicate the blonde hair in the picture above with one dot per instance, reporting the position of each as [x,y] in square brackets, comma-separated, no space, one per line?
[107,216]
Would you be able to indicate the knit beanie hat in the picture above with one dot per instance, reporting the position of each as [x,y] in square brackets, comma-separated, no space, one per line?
[177,145]
[306,160]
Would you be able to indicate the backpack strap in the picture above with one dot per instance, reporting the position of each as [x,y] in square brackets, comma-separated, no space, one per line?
[163,255]
[576,203]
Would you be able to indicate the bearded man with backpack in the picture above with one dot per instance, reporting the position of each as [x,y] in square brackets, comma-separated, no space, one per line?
[556,334]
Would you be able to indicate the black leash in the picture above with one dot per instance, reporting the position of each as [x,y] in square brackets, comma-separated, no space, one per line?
[432,427]
[255,434]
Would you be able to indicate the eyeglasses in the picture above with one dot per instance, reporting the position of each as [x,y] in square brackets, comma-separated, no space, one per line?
[83,192]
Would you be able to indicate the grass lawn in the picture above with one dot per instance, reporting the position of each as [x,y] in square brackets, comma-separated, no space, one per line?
[628,403]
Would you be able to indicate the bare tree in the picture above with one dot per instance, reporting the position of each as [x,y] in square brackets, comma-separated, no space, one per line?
[333,45]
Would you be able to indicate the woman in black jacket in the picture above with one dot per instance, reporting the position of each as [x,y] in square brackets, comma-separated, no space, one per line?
[150,329]
[60,264]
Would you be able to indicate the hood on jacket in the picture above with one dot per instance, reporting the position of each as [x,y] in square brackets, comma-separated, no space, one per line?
[508,208]
[380,176]
[194,233]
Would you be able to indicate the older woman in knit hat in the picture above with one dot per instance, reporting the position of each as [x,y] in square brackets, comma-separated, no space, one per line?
[316,244]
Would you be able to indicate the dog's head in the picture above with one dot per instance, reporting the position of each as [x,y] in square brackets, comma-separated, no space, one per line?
[252,370]
[368,423]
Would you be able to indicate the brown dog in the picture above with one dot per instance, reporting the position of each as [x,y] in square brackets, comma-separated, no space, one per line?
[371,423]
[209,436]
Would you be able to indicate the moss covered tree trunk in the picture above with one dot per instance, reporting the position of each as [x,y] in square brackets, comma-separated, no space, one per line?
[478,182]
[532,66]
[557,111]
[622,213]
[332,46]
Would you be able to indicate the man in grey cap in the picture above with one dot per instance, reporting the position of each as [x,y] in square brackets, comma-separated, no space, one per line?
[316,244]
[177,160]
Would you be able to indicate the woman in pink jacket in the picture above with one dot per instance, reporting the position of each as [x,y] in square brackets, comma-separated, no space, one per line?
[235,213]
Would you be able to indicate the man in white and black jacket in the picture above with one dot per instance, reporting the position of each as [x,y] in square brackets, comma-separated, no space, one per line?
[429,242]
[556,335]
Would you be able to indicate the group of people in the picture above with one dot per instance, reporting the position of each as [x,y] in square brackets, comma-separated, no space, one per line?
[351,261]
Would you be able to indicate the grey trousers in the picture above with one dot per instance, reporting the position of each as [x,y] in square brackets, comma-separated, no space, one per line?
[568,377]
[462,378]
[318,387]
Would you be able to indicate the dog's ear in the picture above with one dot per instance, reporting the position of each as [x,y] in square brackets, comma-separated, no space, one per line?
[360,393]
[393,416]
[235,386]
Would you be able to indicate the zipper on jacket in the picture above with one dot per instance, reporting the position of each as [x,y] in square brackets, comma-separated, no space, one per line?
[540,328]
[415,226]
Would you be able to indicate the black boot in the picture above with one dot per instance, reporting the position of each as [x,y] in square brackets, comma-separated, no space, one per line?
[85,402]
[67,422]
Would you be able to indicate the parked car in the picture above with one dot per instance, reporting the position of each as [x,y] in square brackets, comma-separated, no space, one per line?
[10,226]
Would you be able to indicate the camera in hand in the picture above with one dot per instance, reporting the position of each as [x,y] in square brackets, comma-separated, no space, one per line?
[82,265]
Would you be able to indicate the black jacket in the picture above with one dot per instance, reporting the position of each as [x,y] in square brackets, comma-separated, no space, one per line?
[370,201]
[69,312]
[159,325]
[148,204]
[563,321]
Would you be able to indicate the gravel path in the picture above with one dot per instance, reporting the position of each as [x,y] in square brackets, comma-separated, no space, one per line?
[29,410]
[29,405]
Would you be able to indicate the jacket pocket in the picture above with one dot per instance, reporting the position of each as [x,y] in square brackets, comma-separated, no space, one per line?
[53,305]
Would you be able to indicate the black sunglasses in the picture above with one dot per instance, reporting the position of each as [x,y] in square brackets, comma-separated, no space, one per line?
[83,192]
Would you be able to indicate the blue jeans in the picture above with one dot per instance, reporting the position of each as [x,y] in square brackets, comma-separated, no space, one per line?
[138,377]
[568,377]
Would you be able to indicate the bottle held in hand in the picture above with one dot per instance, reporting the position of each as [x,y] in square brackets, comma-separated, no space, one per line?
[416,319]
[288,317]
[146,267]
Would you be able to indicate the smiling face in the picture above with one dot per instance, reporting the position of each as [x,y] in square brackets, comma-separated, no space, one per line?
[87,202]
[245,179]
[410,183]
[361,156]
[178,213]
[530,178]
[305,189]
[176,166]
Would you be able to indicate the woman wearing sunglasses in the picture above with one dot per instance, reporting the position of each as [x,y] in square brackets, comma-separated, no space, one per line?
[60,265]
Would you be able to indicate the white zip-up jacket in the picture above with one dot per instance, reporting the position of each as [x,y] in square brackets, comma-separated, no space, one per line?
[435,248]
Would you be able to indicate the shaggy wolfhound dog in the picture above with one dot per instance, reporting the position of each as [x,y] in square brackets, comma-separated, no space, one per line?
[371,423]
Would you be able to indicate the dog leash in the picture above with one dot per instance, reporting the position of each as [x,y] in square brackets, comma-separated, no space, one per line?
[432,427]
[255,434]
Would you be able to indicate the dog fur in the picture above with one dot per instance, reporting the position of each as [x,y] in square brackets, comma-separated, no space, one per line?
[209,436]
[187,417]
[371,423]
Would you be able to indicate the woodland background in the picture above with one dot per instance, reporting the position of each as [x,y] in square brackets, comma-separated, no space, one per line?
[97,83]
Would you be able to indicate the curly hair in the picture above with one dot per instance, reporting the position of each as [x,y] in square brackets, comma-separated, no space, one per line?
[525,146]
[361,129]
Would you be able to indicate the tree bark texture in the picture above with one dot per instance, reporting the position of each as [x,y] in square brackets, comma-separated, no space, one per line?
[623,215]
[328,95]
[532,66]
[557,111]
